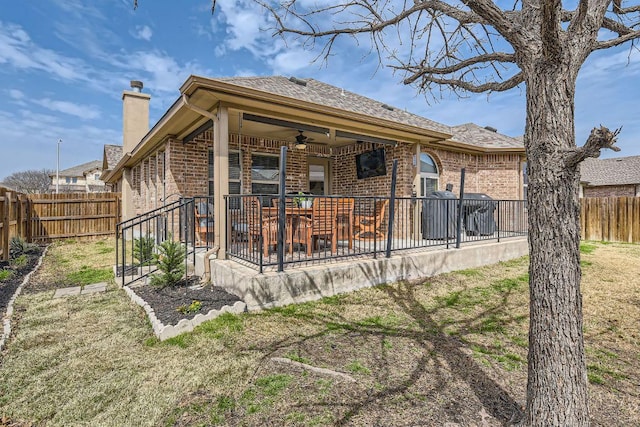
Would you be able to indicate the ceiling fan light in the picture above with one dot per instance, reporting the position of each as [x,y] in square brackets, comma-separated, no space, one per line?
[301,146]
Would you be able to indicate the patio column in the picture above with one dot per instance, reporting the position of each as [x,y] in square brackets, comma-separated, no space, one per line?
[127,210]
[220,177]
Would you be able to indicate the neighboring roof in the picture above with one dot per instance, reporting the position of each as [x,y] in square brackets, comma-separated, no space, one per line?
[80,170]
[616,171]
[472,134]
[325,94]
[112,155]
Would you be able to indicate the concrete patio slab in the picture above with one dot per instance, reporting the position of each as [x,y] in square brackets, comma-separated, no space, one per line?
[67,292]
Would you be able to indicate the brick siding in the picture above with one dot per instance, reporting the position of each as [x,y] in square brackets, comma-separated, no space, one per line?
[185,170]
[610,191]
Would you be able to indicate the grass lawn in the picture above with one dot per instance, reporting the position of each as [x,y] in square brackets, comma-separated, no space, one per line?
[450,349]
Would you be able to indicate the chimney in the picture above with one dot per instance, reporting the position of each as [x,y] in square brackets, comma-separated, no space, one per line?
[135,116]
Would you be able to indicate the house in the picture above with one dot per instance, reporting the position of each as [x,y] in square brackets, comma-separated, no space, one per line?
[111,156]
[614,177]
[223,136]
[84,178]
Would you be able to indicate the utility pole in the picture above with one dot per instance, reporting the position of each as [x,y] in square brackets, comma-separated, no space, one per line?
[58,167]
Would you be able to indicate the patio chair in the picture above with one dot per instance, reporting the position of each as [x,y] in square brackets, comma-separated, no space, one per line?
[204,221]
[322,223]
[344,220]
[258,226]
[370,225]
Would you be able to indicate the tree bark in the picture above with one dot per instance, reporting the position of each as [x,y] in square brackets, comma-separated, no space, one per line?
[557,380]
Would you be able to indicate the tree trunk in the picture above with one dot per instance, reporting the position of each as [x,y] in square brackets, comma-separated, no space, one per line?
[557,379]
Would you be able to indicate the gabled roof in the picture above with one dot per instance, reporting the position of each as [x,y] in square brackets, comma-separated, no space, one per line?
[616,171]
[472,134]
[80,170]
[328,95]
[112,155]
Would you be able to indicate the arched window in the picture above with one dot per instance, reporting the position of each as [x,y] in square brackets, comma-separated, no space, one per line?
[428,175]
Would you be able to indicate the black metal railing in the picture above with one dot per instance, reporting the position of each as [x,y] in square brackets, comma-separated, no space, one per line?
[137,239]
[321,228]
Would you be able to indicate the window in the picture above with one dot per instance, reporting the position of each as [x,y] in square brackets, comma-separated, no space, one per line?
[67,180]
[428,175]
[265,174]
[96,176]
[74,180]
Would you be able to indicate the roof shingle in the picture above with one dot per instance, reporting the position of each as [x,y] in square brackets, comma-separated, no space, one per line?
[615,171]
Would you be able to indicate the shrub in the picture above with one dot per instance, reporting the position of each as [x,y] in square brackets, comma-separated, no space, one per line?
[20,261]
[170,261]
[5,275]
[18,246]
[143,250]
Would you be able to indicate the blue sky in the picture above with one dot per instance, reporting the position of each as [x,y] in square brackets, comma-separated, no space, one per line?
[65,63]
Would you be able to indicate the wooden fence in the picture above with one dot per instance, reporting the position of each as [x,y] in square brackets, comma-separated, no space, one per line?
[614,219]
[41,218]
[14,218]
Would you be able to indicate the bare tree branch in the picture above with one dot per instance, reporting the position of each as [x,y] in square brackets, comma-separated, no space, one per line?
[489,57]
[617,41]
[475,88]
[599,138]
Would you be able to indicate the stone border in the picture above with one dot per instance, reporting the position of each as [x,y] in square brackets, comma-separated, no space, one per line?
[164,332]
[7,316]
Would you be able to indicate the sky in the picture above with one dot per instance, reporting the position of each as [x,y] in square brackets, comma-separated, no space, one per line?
[65,63]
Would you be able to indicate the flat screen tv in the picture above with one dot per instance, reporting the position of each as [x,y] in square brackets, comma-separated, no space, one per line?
[371,164]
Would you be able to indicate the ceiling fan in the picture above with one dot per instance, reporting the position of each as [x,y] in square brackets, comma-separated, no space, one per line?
[301,140]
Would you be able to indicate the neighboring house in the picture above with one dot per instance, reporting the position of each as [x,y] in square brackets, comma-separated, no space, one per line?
[84,178]
[111,156]
[223,136]
[610,177]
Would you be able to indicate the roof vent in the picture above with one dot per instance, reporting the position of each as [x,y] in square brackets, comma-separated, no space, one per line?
[136,85]
[387,107]
[491,128]
[298,81]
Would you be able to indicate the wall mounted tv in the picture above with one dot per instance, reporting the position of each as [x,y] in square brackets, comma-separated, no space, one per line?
[371,163]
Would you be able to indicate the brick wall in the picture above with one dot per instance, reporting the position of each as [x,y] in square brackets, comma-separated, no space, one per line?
[610,191]
[185,170]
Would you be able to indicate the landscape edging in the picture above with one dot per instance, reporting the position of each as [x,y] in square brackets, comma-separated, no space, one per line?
[164,332]
[6,330]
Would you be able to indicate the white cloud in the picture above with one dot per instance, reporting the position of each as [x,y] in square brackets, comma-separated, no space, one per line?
[85,112]
[18,51]
[143,33]
[16,94]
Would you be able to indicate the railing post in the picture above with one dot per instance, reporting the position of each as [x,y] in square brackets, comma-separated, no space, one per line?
[498,226]
[281,208]
[392,207]
[460,205]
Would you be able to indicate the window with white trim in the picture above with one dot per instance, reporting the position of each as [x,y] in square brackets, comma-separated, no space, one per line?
[428,175]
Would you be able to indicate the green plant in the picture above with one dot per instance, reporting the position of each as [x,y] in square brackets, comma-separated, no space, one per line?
[143,250]
[194,307]
[20,261]
[301,197]
[170,261]
[18,246]
[5,275]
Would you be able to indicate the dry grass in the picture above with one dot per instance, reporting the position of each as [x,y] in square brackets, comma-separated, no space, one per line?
[452,349]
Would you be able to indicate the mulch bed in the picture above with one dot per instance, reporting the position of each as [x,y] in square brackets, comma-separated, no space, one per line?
[8,287]
[166,301]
